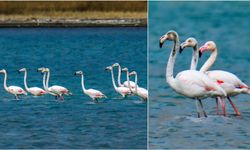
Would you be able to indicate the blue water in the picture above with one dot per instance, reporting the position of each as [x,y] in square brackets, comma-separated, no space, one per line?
[44,122]
[173,118]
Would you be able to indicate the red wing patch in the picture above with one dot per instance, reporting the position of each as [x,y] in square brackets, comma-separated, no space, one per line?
[209,88]
[220,81]
[20,91]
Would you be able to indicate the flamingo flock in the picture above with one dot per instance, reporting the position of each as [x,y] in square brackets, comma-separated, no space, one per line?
[125,89]
[201,84]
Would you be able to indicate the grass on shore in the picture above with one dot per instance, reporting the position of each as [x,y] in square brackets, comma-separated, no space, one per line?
[75,15]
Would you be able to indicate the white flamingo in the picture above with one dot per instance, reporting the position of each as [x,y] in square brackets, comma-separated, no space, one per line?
[15,90]
[190,83]
[92,93]
[124,91]
[44,82]
[36,91]
[125,83]
[139,91]
[228,81]
[57,90]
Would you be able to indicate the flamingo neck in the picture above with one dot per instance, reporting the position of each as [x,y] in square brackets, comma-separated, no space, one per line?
[25,81]
[119,75]
[195,58]
[210,61]
[135,83]
[83,87]
[47,81]
[44,78]
[170,64]
[5,82]
[128,81]
[113,80]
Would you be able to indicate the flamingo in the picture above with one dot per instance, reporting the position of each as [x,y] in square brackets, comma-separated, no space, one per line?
[190,83]
[228,81]
[124,91]
[44,84]
[15,90]
[92,93]
[36,91]
[125,83]
[192,42]
[55,90]
[139,91]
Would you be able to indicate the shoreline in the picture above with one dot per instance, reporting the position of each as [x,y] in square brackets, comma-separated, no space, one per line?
[74,23]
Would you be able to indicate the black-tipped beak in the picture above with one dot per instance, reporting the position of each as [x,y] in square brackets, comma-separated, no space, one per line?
[181,49]
[75,74]
[200,54]
[160,44]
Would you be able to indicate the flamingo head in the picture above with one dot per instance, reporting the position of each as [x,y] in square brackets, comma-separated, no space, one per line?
[190,42]
[22,70]
[3,71]
[125,69]
[115,65]
[108,68]
[170,35]
[40,69]
[132,73]
[208,46]
[78,73]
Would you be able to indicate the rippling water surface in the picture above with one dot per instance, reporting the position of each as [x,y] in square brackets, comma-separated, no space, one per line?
[173,120]
[43,122]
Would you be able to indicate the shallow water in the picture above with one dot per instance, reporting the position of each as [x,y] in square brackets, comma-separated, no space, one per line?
[173,118]
[43,122]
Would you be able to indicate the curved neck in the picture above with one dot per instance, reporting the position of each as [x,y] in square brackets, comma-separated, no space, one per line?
[170,64]
[128,81]
[135,83]
[210,61]
[47,81]
[25,80]
[44,78]
[195,58]
[5,81]
[119,76]
[113,80]
[83,87]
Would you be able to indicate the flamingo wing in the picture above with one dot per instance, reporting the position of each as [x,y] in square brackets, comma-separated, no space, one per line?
[195,84]
[94,93]
[58,89]
[132,84]
[37,91]
[16,90]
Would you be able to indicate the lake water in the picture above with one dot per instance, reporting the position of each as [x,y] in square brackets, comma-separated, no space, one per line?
[173,118]
[44,122]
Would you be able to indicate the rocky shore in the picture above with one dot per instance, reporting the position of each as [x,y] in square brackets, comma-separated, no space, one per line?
[33,22]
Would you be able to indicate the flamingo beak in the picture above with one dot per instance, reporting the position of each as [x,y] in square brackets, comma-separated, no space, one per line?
[201,50]
[162,40]
[183,45]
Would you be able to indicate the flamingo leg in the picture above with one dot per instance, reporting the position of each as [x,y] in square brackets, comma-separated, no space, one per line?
[204,113]
[16,97]
[198,109]
[222,103]
[234,106]
[61,97]
[217,107]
